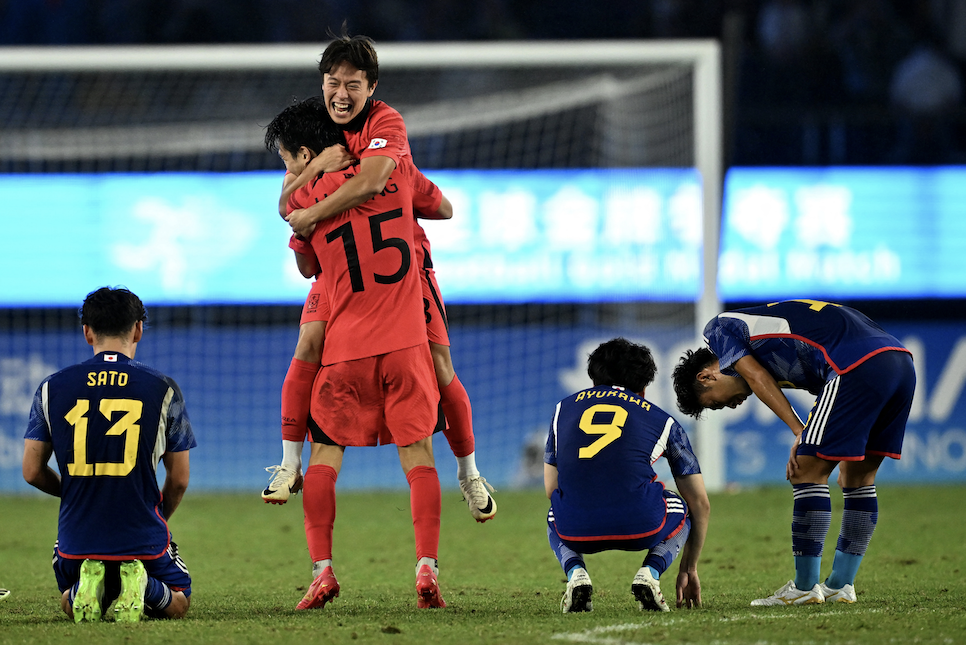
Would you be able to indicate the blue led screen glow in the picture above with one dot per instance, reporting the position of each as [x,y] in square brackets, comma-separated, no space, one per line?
[843,233]
[517,236]
[184,238]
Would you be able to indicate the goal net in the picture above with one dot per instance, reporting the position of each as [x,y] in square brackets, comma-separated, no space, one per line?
[642,119]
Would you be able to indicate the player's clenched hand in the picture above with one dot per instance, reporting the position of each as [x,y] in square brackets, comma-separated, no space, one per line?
[331,159]
[688,590]
[300,222]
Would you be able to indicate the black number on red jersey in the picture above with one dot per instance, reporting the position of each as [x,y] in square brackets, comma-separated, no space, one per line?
[379,243]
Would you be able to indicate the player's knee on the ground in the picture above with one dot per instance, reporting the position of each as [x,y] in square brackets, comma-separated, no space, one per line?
[179,605]
[65,604]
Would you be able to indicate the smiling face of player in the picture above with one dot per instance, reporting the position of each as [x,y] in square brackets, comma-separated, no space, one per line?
[345,89]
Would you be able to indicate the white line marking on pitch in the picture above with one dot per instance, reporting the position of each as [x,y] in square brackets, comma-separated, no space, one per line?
[598,635]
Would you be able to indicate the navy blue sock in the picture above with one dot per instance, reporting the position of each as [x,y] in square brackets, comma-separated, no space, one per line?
[859,518]
[811,517]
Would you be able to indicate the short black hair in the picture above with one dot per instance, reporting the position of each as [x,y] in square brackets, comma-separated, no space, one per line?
[687,387]
[358,51]
[304,123]
[621,362]
[112,312]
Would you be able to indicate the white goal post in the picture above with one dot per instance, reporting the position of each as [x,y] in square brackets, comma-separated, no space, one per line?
[702,57]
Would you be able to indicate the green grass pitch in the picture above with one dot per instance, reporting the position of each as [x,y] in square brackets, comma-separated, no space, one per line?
[250,567]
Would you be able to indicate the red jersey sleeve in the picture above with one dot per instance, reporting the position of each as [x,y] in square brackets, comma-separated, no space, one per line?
[426,195]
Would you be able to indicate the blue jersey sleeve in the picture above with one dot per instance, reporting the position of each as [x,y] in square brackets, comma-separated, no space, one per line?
[180,436]
[729,339]
[679,454]
[37,427]
[550,454]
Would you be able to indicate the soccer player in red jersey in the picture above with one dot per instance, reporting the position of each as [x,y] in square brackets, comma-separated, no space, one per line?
[376,134]
[377,378]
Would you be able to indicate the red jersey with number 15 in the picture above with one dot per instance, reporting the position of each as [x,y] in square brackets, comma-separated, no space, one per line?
[369,270]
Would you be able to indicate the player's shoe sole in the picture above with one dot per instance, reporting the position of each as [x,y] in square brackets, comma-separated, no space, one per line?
[476,492]
[427,589]
[285,482]
[647,591]
[579,593]
[791,595]
[90,592]
[129,606]
[323,589]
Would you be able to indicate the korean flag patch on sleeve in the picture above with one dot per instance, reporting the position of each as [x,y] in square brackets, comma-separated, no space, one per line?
[375,144]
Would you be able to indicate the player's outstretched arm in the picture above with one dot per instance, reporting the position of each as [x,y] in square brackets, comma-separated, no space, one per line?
[177,472]
[688,586]
[371,180]
[36,470]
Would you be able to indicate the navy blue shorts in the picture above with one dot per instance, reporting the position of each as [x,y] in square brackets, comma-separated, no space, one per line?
[862,412]
[674,522]
[169,569]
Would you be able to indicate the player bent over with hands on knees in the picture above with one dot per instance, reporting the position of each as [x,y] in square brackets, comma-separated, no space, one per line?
[375,134]
[109,421]
[603,491]
[864,380]
[377,379]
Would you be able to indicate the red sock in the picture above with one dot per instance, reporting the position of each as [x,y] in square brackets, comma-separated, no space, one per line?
[459,417]
[425,500]
[296,397]
[318,504]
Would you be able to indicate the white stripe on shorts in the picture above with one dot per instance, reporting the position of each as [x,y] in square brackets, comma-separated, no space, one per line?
[815,431]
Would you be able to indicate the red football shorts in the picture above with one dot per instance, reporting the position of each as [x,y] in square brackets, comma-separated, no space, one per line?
[356,400]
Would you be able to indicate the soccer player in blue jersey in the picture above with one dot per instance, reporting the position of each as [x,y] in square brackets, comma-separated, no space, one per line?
[604,494]
[109,421]
[864,381]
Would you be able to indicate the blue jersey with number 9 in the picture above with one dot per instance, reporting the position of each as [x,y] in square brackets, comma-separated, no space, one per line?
[604,442]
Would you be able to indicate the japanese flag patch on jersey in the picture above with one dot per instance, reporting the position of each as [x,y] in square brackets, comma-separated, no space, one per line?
[375,144]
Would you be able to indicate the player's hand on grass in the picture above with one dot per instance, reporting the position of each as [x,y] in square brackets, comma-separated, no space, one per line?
[688,590]
[792,466]
[301,222]
[331,159]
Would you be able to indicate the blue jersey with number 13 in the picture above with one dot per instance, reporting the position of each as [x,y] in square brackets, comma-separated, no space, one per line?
[110,419]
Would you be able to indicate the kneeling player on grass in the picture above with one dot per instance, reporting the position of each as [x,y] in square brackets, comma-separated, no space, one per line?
[864,380]
[604,494]
[109,421]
